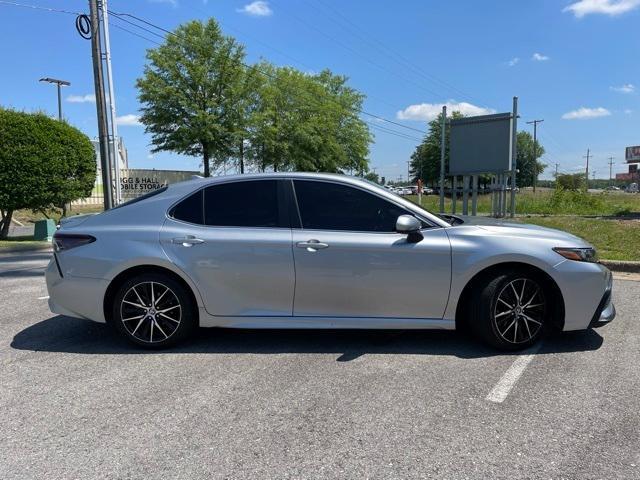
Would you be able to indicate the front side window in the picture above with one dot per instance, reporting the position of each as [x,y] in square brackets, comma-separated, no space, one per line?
[242,204]
[331,206]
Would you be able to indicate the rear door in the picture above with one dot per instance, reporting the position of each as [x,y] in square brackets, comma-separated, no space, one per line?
[350,262]
[234,240]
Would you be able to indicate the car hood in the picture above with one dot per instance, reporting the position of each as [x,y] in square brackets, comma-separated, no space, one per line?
[507,228]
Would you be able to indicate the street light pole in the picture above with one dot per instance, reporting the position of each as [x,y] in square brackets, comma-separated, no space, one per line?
[58,83]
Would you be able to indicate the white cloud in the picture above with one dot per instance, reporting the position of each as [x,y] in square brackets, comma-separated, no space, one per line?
[538,57]
[513,62]
[128,120]
[259,8]
[586,113]
[604,7]
[429,111]
[628,111]
[626,88]
[173,3]
[88,98]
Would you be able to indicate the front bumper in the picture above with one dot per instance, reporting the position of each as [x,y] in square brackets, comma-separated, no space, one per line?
[605,312]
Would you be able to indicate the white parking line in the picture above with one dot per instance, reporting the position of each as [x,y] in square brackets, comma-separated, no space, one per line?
[44,298]
[510,377]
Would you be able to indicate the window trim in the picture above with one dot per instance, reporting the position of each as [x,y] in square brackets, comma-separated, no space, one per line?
[429,225]
[283,200]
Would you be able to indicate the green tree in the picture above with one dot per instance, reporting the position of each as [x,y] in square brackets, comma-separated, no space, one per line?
[193,93]
[308,123]
[373,177]
[43,163]
[566,181]
[528,168]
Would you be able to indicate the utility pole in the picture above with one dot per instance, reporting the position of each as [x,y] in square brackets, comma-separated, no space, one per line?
[557,165]
[114,151]
[443,130]
[586,174]
[514,155]
[59,83]
[611,162]
[535,151]
[103,132]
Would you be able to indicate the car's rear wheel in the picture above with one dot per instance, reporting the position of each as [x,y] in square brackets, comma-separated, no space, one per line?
[511,311]
[153,310]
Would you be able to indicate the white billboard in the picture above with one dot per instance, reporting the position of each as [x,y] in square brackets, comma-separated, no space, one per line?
[632,154]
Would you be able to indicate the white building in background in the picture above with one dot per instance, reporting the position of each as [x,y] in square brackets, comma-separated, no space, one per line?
[133,182]
[123,156]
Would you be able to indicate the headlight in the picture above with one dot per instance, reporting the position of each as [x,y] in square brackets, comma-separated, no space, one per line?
[578,254]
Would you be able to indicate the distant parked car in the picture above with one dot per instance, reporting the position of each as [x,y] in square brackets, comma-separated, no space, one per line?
[613,188]
[427,191]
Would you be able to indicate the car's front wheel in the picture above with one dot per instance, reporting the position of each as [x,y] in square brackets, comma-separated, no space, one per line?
[153,310]
[510,312]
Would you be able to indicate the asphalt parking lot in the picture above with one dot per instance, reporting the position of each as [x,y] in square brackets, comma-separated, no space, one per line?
[76,402]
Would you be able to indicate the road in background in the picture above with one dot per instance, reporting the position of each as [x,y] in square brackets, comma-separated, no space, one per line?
[76,402]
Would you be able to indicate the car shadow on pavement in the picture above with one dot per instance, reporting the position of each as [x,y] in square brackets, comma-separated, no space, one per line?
[70,335]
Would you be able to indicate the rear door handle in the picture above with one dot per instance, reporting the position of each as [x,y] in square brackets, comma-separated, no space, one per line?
[187,241]
[312,245]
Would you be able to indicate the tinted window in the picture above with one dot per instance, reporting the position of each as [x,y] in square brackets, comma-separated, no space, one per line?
[330,206]
[242,204]
[190,209]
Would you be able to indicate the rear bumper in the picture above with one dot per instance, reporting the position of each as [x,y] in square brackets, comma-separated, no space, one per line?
[72,296]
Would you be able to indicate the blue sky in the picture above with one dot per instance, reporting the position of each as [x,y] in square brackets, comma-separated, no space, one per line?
[575,64]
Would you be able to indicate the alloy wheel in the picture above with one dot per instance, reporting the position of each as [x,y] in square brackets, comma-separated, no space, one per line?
[519,311]
[150,312]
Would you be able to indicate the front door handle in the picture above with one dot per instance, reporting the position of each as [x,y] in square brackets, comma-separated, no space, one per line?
[188,241]
[312,245]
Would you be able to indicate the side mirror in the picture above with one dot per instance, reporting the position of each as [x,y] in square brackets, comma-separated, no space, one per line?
[411,226]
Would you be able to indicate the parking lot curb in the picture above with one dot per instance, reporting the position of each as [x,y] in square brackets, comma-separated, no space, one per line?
[621,266]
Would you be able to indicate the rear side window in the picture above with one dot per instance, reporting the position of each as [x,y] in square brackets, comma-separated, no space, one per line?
[190,209]
[331,206]
[243,204]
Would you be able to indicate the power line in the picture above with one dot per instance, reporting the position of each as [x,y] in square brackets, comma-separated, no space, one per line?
[38,7]
[397,57]
[134,33]
[168,32]
[119,15]
[356,53]
[393,132]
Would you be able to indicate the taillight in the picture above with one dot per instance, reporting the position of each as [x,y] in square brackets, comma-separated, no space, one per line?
[66,241]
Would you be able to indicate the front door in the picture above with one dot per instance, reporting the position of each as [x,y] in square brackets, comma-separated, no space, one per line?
[350,262]
[234,241]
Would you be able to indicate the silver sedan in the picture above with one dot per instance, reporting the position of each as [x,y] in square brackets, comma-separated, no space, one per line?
[298,250]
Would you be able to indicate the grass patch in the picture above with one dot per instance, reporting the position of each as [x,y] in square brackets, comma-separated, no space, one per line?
[29,216]
[550,202]
[614,239]
[21,243]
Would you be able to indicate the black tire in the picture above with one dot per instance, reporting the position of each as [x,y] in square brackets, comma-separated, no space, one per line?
[503,321]
[171,320]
